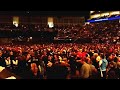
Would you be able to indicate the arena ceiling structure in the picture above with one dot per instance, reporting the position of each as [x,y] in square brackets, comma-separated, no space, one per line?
[47,13]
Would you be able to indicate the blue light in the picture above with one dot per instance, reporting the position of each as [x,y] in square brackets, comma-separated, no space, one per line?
[105,19]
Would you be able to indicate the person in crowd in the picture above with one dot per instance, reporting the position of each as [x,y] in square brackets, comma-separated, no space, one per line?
[1,58]
[72,63]
[15,63]
[111,72]
[118,67]
[103,63]
[8,63]
[85,71]
[94,72]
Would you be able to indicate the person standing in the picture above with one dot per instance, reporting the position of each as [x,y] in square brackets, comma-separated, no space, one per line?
[85,71]
[103,63]
[1,58]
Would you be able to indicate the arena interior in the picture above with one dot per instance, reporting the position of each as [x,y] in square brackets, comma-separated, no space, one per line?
[39,45]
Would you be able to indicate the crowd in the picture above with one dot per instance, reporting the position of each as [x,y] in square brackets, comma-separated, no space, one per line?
[99,32]
[62,61]
[98,59]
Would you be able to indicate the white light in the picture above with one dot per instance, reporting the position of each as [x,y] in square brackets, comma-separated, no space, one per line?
[50,22]
[104,14]
[92,12]
[16,25]
[114,13]
[30,37]
[101,19]
[15,21]
[28,12]
[87,23]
